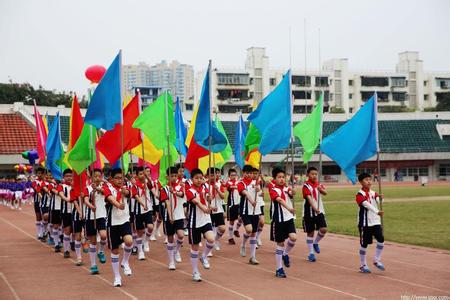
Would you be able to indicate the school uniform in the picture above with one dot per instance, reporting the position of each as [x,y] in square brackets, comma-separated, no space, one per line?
[199,221]
[233,200]
[311,220]
[36,185]
[118,224]
[98,200]
[177,209]
[282,223]
[249,214]
[217,216]
[66,207]
[55,205]
[369,222]
[143,216]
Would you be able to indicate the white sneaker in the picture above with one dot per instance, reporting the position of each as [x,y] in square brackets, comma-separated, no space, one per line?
[141,256]
[210,254]
[172,266]
[127,270]
[117,282]
[146,246]
[178,257]
[205,262]
[258,242]
[165,241]
[159,234]
[217,246]
[196,277]
[152,238]
[242,251]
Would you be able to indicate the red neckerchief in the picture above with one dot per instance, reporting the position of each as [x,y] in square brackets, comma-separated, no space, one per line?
[314,185]
[247,181]
[174,185]
[200,191]
[281,187]
[119,194]
[366,194]
[140,185]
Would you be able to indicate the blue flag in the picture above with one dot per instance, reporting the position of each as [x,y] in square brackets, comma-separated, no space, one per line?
[180,129]
[355,141]
[105,107]
[273,118]
[54,149]
[204,127]
[239,142]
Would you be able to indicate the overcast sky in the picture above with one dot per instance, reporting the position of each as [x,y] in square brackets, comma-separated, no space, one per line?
[52,42]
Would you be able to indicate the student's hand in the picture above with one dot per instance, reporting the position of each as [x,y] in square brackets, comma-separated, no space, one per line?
[171,189]
[293,192]
[122,206]
[94,209]
[321,188]
[381,196]
[253,203]
[214,209]
[292,210]
[145,207]
[317,211]
[381,213]
[123,191]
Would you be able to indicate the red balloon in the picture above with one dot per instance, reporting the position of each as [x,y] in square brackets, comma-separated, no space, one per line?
[95,73]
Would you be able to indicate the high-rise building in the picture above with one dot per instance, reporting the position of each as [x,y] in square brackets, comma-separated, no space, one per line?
[135,75]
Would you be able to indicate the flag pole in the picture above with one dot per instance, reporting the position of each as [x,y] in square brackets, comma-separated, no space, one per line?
[291,102]
[121,111]
[179,131]
[319,197]
[378,155]
[166,106]
[210,125]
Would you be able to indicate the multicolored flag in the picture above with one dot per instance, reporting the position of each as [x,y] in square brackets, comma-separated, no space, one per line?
[41,135]
[54,149]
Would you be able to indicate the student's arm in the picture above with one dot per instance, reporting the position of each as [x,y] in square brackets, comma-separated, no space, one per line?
[243,191]
[200,205]
[78,208]
[274,196]
[372,208]
[119,205]
[322,190]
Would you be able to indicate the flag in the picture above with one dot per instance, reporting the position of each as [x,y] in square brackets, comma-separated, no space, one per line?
[110,144]
[273,117]
[41,134]
[203,123]
[180,130]
[83,153]
[355,141]
[309,130]
[46,121]
[153,123]
[226,153]
[54,149]
[239,142]
[105,107]
[75,127]
[147,151]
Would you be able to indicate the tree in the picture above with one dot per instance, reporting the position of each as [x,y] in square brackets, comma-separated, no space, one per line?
[24,92]
[443,101]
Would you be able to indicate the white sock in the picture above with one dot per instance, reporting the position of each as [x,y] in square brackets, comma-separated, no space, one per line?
[170,253]
[207,250]
[319,236]
[55,236]
[289,245]
[102,246]
[230,231]
[92,253]
[45,226]
[78,249]
[115,265]
[378,251]
[126,254]
[179,244]
[309,243]
[278,256]
[218,235]
[253,246]
[362,256]
[258,233]
[140,247]
[239,224]
[244,239]
[135,236]
[66,242]
[38,228]
[194,261]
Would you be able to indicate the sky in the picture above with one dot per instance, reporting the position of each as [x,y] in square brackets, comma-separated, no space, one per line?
[52,42]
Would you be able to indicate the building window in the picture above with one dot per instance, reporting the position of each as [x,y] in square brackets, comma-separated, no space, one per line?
[321,81]
[232,79]
[382,96]
[273,81]
[374,81]
[350,82]
[444,170]
[443,83]
[189,106]
[398,81]
[350,96]
[337,73]
[331,170]
[300,80]
[425,97]
[301,94]
[423,171]
[399,96]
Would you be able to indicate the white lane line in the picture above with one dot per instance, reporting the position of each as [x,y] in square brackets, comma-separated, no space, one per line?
[40,243]
[13,291]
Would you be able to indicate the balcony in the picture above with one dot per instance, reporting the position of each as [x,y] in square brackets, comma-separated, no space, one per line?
[382,96]
[375,81]
[233,79]
[300,81]
[232,94]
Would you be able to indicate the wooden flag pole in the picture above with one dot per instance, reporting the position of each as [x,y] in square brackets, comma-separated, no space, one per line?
[378,158]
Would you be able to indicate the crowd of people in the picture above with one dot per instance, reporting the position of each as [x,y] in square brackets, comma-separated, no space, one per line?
[117,212]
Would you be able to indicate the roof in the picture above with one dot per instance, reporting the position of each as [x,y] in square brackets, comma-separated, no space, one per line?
[16,135]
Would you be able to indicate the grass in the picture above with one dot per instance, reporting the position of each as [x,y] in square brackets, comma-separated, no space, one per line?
[423,223]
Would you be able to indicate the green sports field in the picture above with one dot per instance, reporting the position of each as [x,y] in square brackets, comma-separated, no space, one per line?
[413,214]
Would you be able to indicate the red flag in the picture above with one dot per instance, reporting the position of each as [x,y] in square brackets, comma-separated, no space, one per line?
[110,143]
[79,183]
[41,134]
[195,152]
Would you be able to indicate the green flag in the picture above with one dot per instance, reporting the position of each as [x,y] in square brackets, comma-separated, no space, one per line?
[227,152]
[309,130]
[152,122]
[81,156]
[126,162]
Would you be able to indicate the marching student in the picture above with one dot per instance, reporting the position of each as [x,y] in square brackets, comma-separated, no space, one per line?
[282,224]
[118,224]
[77,226]
[95,218]
[259,184]
[249,212]
[64,192]
[55,214]
[183,182]
[369,222]
[155,186]
[216,189]
[232,204]
[45,207]
[198,198]
[172,211]
[313,212]
[143,209]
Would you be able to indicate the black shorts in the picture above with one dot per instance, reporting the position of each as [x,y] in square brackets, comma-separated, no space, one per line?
[77,226]
[37,207]
[132,217]
[366,234]
[142,220]
[44,210]
[251,219]
[195,234]
[156,210]
[233,213]
[116,234]
[91,230]
[217,219]
[314,223]
[55,217]
[66,219]
[171,228]
[262,210]
[279,231]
